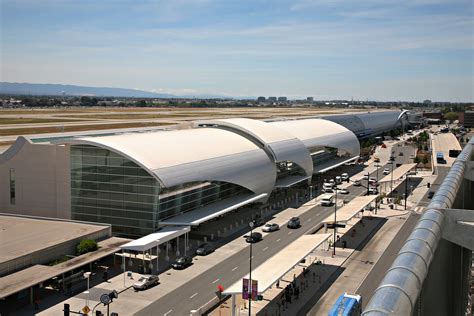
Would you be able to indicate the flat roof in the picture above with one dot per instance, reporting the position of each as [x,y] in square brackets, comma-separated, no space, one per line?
[153,240]
[283,261]
[18,281]
[22,235]
[196,217]
[399,172]
[348,211]
[289,181]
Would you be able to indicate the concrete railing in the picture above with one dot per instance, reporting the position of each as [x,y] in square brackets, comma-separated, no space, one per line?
[398,292]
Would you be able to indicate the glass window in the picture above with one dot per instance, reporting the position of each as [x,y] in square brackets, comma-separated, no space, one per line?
[12,187]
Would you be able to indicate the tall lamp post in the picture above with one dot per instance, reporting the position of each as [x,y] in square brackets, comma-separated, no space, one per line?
[377,176]
[251,224]
[335,220]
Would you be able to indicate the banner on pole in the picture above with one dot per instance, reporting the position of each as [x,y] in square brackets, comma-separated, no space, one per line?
[254,289]
[245,289]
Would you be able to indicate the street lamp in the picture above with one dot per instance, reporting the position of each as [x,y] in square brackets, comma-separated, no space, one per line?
[335,220]
[87,276]
[251,224]
[377,175]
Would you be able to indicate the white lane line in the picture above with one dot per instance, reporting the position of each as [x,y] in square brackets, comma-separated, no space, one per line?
[310,219]
[278,239]
[289,233]
[235,268]
[167,312]
[265,249]
[193,295]
[215,281]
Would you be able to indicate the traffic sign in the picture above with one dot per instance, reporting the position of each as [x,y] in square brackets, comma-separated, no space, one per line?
[105,299]
[86,309]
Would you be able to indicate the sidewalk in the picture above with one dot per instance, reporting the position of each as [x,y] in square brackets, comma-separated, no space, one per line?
[313,278]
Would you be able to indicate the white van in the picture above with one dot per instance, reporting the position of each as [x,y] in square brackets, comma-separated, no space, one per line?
[327,199]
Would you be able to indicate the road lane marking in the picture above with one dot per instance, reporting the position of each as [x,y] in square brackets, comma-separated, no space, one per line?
[264,249]
[215,281]
[289,233]
[167,312]
[310,219]
[193,295]
[278,239]
[235,268]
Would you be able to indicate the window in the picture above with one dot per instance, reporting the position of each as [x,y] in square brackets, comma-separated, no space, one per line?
[12,186]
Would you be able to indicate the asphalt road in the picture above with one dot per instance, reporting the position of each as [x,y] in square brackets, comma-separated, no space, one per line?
[200,290]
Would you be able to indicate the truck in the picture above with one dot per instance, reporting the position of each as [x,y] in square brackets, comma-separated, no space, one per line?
[347,305]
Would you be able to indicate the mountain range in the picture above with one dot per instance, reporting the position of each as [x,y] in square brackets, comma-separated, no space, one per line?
[73,90]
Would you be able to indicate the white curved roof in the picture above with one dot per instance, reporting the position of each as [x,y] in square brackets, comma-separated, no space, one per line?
[320,132]
[182,156]
[279,143]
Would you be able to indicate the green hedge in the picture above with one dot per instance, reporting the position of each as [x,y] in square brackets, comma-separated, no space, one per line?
[85,246]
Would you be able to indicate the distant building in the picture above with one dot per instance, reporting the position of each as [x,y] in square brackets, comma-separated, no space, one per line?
[427,101]
[282,99]
[469,119]
[433,115]
[310,99]
[261,99]
[272,99]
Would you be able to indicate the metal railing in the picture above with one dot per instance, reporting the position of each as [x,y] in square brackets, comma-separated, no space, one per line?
[398,292]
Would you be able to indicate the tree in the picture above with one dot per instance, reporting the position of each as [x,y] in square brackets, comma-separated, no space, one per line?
[416,160]
[425,159]
[85,246]
[451,116]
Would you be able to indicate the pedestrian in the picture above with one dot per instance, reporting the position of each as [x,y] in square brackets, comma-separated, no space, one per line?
[105,276]
[278,283]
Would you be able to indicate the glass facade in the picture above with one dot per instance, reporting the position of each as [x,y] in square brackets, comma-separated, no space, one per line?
[108,188]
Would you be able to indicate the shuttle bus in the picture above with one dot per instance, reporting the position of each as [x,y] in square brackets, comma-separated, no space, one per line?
[347,305]
[440,157]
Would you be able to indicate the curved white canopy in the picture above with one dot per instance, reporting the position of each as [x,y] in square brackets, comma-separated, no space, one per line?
[320,132]
[279,143]
[183,156]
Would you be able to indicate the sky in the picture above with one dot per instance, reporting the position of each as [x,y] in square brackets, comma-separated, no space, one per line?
[394,50]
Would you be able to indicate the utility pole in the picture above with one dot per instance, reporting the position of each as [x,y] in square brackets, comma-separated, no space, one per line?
[335,221]
[251,224]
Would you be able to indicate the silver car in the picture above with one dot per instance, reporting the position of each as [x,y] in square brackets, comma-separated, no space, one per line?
[270,227]
[145,281]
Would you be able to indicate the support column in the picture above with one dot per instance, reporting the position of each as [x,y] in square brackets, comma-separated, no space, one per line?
[233,307]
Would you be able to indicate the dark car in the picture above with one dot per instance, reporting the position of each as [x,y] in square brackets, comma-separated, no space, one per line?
[254,237]
[204,249]
[431,194]
[182,262]
[258,222]
[293,223]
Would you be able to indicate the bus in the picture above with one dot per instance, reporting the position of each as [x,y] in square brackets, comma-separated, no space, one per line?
[440,157]
[347,305]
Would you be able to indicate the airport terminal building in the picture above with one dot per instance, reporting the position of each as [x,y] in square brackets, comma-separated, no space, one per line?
[139,181]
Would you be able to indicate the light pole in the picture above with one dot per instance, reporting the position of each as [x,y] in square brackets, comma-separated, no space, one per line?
[87,276]
[251,224]
[335,220]
[377,176]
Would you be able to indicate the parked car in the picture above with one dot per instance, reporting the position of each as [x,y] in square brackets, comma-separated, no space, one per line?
[338,180]
[205,249]
[343,191]
[369,208]
[293,223]
[431,194]
[270,227]
[327,190]
[254,237]
[386,171]
[345,176]
[182,262]
[258,222]
[400,153]
[357,183]
[327,199]
[145,281]
[373,190]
